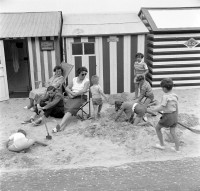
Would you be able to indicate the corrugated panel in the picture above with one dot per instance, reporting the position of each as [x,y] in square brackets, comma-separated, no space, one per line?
[15,25]
[168,57]
[102,24]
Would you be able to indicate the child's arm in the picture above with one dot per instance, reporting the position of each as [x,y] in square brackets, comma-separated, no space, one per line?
[119,113]
[101,92]
[158,108]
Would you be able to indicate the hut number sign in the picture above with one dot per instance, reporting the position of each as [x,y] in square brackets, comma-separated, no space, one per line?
[191,43]
[47,45]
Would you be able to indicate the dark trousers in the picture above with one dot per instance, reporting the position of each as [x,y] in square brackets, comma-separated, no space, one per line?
[57,112]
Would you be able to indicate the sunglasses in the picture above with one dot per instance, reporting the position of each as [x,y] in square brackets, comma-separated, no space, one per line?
[83,74]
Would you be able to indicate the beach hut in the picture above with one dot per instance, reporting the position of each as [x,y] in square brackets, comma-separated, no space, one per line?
[173,45]
[106,44]
[29,50]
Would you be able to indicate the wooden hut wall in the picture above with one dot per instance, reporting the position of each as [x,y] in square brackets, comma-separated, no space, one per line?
[42,62]
[168,57]
[112,62]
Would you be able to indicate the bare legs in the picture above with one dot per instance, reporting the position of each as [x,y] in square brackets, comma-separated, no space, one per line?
[64,121]
[173,134]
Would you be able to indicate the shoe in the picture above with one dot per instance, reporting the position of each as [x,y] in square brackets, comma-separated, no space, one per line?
[27,121]
[26,107]
[158,146]
[32,109]
[173,149]
[38,122]
[145,119]
[56,129]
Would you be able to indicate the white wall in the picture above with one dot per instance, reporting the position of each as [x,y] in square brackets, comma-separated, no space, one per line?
[90,6]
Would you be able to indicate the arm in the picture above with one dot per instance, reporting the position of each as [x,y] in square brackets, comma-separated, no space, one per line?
[158,108]
[101,92]
[146,69]
[54,102]
[58,82]
[119,113]
[84,90]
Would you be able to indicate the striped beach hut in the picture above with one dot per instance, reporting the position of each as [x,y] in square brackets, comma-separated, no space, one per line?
[106,44]
[29,50]
[173,45]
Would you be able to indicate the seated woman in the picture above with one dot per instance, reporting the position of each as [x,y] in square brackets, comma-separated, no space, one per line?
[56,80]
[78,87]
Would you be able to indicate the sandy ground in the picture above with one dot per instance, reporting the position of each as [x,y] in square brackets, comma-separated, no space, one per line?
[102,143]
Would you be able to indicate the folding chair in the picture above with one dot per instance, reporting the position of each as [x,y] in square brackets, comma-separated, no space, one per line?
[84,114]
[66,71]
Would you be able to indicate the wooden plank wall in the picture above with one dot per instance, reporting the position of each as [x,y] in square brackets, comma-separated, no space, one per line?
[168,57]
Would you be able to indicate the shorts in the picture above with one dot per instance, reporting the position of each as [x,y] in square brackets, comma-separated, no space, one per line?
[169,120]
[97,101]
[140,110]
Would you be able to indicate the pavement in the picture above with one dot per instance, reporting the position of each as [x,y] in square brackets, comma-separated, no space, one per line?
[174,175]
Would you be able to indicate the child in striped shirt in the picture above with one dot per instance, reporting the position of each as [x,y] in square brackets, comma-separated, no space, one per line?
[140,68]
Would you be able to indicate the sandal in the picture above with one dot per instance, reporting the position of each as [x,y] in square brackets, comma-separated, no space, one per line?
[56,129]
[158,146]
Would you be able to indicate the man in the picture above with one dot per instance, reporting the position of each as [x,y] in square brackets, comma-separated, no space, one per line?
[52,104]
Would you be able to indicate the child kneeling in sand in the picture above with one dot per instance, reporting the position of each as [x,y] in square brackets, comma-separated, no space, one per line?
[97,94]
[169,107]
[18,142]
[131,108]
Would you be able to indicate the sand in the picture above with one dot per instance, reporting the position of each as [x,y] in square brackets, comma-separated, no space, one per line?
[102,143]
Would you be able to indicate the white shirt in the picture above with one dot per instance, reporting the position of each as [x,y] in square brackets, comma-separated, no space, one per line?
[78,86]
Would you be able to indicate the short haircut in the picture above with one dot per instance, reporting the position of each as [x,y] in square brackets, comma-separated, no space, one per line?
[167,83]
[139,55]
[21,131]
[81,69]
[58,68]
[140,78]
[51,88]
[94,79]
[118,105]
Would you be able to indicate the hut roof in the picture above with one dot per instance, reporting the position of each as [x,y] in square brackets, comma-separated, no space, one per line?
[102,24]
[171,19]
[30,24]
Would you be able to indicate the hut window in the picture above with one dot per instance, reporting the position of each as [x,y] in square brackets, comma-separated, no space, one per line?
[77,49]
[88,48]
[85,48]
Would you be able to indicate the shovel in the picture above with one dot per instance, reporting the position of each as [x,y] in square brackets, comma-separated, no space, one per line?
[49,137]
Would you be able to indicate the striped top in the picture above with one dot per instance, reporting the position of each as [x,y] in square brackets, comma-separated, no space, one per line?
[140,67]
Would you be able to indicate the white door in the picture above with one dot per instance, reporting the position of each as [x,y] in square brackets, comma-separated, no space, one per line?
[4,95]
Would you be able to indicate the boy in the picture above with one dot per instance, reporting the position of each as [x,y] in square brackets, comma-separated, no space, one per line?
[129,108]
[18,142]
[169,107]
[52,104]
[145,90]
[97,94]
[140,68]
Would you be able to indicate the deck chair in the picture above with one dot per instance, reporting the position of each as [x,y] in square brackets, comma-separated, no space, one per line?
[67,68]
[85,114]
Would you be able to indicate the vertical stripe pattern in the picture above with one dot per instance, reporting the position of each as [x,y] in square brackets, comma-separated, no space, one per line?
[112,62]
[41,62]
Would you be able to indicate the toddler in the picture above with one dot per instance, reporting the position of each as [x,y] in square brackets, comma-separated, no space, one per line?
[97,94]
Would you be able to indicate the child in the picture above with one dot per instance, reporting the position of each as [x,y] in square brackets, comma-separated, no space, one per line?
[145,90]
[52,104]
[97,94]
[18,142]
[140,68]
[169,107]
[131,108]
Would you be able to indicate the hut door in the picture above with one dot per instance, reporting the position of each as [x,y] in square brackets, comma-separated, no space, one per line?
[3,75]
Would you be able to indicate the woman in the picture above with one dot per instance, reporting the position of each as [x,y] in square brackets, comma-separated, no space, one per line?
[75,90]
[56,80]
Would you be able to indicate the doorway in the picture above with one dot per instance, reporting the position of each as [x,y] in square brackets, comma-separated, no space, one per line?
[17,66]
